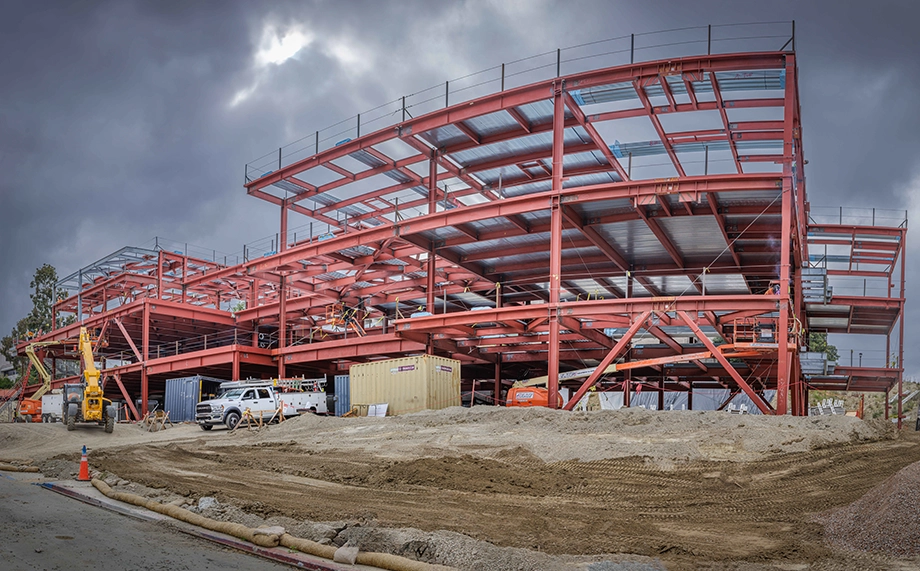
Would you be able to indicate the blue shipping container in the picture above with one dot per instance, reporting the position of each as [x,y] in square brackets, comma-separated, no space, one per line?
[342,395]
[183,394]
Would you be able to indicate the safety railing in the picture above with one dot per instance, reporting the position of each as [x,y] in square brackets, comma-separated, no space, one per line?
[608,52]
[855,216]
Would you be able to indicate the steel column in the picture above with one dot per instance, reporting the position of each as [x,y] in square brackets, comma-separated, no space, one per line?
[901,331]
[282,326]
[145,352]
[555,247]
[787,226]
[160,274]
[283,236]
[432,208]
[497,394]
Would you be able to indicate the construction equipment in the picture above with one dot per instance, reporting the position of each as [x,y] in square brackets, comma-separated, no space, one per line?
[83,401]
[30,409]
[530,393]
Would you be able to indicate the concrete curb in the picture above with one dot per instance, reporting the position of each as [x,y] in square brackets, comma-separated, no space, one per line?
[278,554]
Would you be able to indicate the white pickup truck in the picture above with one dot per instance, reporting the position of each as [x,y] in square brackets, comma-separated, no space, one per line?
[261,401]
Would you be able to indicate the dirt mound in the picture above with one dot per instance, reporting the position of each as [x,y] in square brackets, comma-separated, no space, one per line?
[886,519]
[554,435]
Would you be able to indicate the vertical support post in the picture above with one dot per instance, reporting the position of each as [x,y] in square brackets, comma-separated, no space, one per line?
[282,325]
[430,279]
[901,331]
[793,35]
[359,127]
[709,40]
[632,49]
[706,161]
[555,246]
[145,352]
[558,62]
[235,373]
[446,94]
[282,238]
[497,389]
[316,144]
[627,389]
[253,302]
[279,158]
[886,404]
[184,274]
[80,296]
[661,394]
[432,259]
[503,77]
[783,369]
[690,397]
[404,109]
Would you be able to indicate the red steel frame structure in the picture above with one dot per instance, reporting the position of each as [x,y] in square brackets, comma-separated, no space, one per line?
[508,232]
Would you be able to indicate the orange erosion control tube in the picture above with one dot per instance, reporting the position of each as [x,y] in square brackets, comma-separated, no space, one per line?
[84,468]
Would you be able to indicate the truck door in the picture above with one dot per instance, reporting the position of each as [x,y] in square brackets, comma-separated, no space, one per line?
[250,400]
[265,402]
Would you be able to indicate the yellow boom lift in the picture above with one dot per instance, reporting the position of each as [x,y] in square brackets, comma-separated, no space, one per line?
[30,409]
[83,401]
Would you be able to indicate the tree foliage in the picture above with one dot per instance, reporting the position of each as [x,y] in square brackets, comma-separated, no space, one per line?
[818,342]
[38,320]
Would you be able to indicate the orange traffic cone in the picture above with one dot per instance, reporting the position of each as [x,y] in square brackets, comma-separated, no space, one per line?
[84,468]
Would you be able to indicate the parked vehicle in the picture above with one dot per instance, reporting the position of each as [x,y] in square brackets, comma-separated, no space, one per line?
[261,398]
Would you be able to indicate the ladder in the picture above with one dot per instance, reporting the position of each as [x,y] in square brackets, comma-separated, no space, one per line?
[301,384]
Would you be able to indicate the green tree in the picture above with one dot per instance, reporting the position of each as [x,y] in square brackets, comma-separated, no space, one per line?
[39,318]
[818,342]
[6,383]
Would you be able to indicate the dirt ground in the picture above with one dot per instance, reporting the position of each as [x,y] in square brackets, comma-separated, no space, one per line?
[524,489]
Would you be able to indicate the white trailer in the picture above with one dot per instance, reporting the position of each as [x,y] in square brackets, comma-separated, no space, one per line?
[52,406]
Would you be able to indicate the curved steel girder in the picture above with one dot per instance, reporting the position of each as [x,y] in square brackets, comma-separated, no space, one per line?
[513,98]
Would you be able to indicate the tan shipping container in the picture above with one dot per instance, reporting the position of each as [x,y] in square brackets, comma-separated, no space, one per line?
[407,384]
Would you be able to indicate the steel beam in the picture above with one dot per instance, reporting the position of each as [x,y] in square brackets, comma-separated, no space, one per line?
[742,384]
[618,349]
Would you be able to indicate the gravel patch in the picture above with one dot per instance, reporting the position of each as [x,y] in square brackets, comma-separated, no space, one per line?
[886,519]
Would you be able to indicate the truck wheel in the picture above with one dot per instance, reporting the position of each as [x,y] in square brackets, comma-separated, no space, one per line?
[206,426]
[232,420]
[110,424]
[71,422]
[28,418]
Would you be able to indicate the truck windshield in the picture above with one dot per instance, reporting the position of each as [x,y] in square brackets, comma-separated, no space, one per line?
[232,394]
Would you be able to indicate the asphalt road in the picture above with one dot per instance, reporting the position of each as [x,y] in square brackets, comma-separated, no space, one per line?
[44,530]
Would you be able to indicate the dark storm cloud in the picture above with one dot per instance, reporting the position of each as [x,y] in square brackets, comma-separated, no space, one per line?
[117,120]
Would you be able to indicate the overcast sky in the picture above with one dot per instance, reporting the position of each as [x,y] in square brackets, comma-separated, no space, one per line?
[121,121]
